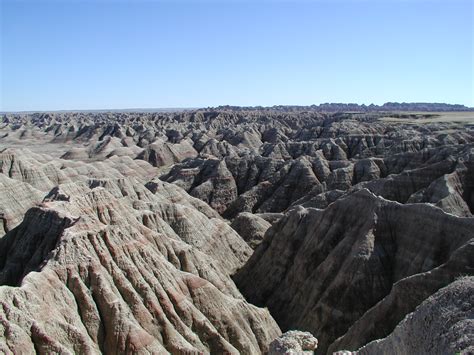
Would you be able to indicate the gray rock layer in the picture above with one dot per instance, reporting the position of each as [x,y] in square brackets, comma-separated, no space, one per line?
[442,324]
[356,268]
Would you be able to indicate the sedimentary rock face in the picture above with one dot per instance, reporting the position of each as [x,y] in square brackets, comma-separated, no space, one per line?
[441,324]
[356,268]
[168,232]
[105,264]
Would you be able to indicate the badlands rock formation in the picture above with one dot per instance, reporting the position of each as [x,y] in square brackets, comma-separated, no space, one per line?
[212,231]
[355,269]
[251,228]
[104,264]
[443,324]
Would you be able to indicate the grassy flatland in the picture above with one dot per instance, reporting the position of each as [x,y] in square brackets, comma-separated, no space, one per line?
[429,117]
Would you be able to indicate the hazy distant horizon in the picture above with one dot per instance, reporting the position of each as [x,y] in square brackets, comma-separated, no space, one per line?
[180,109]
[87,55]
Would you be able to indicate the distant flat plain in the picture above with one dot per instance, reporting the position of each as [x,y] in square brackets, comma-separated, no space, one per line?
[429,117]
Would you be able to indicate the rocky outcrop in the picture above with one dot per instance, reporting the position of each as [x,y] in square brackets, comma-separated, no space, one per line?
[209,180]
[451,192]
[260,160]
[294,342]
[442,324]
[251,228]
[15,198]
[25,248]
[132,223]
[162,153]
[129,269]
[404,297]
[351,256]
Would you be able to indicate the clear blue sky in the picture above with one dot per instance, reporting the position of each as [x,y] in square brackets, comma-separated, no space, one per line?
[147,54]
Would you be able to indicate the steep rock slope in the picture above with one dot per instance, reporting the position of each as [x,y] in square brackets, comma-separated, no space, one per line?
[322,270]
[443,324]
[251,228]
[107,265]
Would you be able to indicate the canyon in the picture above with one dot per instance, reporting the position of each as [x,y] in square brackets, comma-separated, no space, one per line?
[323,229]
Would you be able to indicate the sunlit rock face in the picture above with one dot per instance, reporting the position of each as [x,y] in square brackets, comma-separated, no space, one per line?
[102,263]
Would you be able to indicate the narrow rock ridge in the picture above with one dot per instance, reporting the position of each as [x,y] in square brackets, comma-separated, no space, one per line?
[442,324]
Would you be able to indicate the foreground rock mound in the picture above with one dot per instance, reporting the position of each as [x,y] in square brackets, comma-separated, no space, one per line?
[294,342]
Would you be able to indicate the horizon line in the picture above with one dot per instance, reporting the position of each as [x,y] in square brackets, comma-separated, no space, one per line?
[186,108]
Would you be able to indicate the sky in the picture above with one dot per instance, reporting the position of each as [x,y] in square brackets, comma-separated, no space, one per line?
[116,54]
